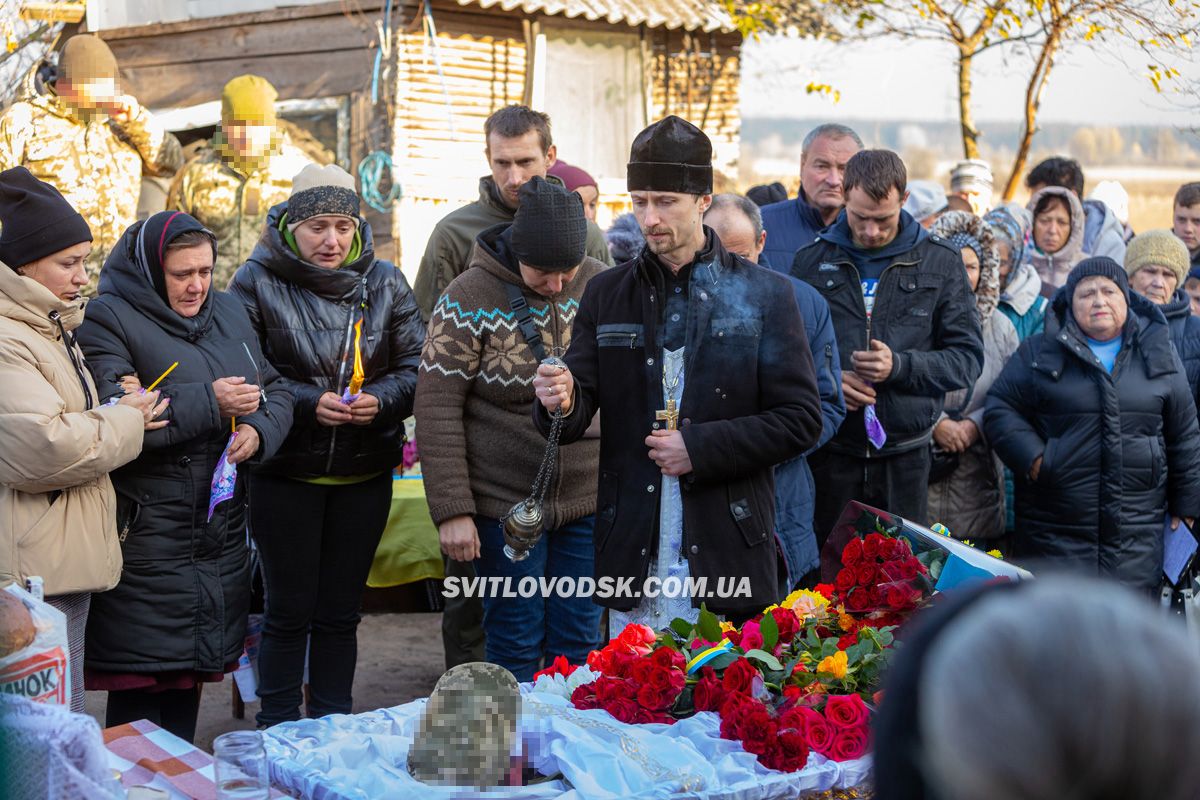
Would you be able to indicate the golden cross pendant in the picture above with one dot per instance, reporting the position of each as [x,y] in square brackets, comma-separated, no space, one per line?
[670,415]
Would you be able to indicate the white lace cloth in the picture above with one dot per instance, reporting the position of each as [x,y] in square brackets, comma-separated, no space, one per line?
[50,752]
[363,756]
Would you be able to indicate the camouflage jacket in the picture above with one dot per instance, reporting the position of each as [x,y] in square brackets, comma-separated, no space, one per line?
[232,199]
[96,163]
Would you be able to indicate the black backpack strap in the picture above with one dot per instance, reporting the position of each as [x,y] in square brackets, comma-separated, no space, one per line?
[520,309]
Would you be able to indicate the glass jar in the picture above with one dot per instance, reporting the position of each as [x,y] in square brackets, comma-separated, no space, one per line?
[241,766]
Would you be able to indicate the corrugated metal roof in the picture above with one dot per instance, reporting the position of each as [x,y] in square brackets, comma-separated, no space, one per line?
[687,14]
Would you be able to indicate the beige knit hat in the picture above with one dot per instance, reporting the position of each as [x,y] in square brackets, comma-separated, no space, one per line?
[1158,248]
[318,191]
[86,58]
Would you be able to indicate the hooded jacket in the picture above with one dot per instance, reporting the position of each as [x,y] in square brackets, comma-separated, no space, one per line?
[479,452]
[1103,233]
[184,593]
[923,311]
[749,402]
[96,162]
[450,244]
[1022,301]
[1053,268]
[790,225]
[1119,451]
[970,501]
[305,317]
[57,446]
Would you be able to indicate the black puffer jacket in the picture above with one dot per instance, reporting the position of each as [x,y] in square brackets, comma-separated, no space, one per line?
[185,588]
[1185,335]
[1118,451]
[305,316]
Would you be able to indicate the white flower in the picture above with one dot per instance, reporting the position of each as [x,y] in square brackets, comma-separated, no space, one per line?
[564,687]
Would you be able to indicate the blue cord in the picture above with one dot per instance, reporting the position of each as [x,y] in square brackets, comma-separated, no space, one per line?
[370,176]
[387,33]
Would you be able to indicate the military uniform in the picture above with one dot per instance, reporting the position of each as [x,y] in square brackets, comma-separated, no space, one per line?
[94,161]
[231,196]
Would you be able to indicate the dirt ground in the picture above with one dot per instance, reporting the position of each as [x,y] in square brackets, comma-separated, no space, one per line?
[399,658]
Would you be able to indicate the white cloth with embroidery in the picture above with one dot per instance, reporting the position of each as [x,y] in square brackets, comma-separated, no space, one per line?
[362,756]
[657,612]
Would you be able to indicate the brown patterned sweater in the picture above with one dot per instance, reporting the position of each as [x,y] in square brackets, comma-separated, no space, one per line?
[479,448]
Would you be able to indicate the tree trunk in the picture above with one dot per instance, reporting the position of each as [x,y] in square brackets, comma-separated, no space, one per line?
[1033,103]
[970,136]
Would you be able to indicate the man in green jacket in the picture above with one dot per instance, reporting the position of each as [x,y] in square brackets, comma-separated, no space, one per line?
[518,148]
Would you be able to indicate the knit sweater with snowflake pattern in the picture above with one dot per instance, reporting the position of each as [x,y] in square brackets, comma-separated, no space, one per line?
[480,451]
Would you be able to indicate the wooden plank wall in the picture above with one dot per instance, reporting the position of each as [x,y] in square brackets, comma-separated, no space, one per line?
[697,77]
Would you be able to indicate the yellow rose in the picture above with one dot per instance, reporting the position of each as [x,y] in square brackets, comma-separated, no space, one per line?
[835,665]
[995,554]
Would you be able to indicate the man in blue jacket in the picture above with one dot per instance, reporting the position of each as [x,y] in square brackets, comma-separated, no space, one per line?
[907,333]
[793,224]
[737,222]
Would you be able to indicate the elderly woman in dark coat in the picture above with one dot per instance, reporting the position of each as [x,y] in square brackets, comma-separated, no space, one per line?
[178,616]
[1096,420]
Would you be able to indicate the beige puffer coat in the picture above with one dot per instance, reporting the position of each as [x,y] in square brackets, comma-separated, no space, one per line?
[57,505]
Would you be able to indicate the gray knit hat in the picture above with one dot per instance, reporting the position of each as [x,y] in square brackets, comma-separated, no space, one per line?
[549,231]
[319,191]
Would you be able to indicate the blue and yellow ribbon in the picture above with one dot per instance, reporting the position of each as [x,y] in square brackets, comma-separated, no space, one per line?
[705,656]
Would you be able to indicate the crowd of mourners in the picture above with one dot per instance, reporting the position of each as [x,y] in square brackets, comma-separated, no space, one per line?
[1025,375]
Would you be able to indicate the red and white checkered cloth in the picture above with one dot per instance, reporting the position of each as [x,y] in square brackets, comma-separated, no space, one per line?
[147,755]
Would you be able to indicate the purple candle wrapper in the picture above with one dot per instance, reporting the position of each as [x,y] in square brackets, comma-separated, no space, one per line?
[875,432]
[223,480]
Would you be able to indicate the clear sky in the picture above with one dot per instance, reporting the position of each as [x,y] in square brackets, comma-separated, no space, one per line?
[887,80]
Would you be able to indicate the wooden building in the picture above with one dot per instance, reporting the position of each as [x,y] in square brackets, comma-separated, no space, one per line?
[603,69]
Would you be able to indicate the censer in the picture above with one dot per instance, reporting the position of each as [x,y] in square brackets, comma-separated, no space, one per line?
[524,524]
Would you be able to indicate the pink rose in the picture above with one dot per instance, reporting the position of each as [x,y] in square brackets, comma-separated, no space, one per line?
[846,711]
[849,744]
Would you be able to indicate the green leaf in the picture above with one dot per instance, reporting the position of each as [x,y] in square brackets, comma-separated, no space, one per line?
[682,627]
[766,658]
[709,626]
[828,648]
[770,632]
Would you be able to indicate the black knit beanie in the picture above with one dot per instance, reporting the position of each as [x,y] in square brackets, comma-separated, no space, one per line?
[1098,266]
[549,231]
[35,220]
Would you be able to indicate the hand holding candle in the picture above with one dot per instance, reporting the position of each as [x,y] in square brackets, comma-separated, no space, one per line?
[357,376]
[243,444]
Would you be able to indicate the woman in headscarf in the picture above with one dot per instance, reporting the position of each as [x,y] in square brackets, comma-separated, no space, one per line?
[178,617]
[343,328]
[1056,244]
[1021,297]
[967,493]
[57,442]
